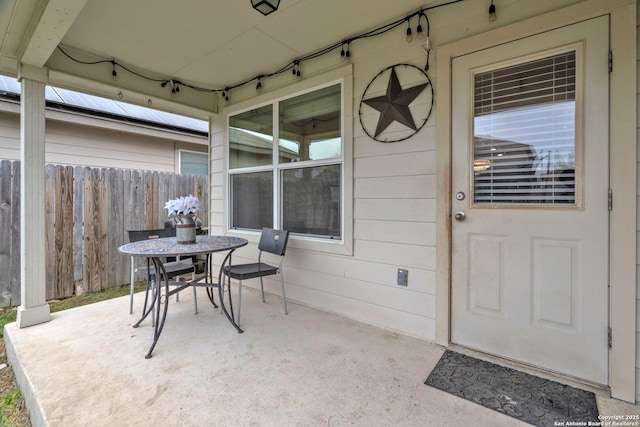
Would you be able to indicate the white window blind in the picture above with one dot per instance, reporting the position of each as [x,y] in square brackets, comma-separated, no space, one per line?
[524,132]
[192,163]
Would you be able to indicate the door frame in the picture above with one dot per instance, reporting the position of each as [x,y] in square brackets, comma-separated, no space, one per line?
[623,143]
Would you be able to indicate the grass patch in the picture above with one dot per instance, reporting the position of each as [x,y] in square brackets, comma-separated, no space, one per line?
[11,404]
[90,298]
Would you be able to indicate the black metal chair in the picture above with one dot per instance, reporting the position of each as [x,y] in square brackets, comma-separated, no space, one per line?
[272,241]
[174,268]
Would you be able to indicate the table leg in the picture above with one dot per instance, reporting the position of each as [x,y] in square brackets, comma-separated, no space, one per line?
[209,278]
[148,307]
[160,303]
[221,289]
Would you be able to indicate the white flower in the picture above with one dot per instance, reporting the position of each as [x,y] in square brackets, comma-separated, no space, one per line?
[185,205]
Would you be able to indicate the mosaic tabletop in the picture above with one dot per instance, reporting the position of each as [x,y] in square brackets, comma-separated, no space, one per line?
[168,246]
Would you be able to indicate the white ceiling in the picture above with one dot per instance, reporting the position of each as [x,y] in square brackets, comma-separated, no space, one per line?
[212,43]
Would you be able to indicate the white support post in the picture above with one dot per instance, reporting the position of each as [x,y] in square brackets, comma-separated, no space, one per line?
[33,306]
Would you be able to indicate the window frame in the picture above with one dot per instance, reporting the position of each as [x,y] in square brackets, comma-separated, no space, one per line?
[342,76]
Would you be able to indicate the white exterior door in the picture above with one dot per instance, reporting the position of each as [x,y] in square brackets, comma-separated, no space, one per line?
[530,180]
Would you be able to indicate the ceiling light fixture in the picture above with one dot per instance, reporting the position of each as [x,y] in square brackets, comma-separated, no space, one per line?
[265,7]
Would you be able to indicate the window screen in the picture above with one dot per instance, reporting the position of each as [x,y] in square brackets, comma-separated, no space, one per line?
[524,132]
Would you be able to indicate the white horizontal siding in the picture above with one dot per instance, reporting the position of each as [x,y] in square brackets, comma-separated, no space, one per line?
[404,187]
[9,135]
[406,164]
[412,233]
[75,144]
[415,210]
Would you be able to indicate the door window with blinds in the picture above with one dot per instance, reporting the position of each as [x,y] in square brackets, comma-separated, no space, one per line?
[524,139]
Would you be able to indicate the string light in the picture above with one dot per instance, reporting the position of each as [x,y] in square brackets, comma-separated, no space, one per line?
[492,12]
[259,86]
[294,66]
[295,71]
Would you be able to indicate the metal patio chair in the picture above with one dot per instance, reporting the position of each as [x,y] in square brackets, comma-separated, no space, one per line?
[174,269]
[272,241]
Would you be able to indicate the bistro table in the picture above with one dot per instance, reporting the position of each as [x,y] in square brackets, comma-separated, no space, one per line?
[156,249]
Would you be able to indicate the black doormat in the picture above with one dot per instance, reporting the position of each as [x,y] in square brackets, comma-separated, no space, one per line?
[520,395]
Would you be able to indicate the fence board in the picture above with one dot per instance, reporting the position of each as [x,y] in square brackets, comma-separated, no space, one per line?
[92,230]
[78,223]
[49,226]
[148,201]
[87,215]
[5,232]
[116,228]
[103,246]
[64,233]
[15,235]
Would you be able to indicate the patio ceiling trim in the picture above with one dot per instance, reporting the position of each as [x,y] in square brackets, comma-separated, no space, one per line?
[47,28]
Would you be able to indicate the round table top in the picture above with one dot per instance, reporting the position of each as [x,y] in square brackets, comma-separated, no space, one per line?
[168,246]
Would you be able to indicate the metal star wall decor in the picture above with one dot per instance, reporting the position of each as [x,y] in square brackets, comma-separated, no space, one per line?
[394,105]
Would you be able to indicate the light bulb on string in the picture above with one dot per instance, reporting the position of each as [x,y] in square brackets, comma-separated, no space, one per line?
[259,86]
[419,33]
[492,12]
[409,34]
[114,73]
[342,54]
[347,54]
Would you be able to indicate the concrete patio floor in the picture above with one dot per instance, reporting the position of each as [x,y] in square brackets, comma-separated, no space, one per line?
[87,368]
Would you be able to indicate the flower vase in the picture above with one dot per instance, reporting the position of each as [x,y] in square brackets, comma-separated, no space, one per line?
[185,229]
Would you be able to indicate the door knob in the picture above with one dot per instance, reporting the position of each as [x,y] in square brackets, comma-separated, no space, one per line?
[460,216]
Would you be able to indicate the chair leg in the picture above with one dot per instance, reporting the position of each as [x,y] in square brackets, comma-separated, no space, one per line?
[239,300]
[284,297]
[262,289]
[195,297]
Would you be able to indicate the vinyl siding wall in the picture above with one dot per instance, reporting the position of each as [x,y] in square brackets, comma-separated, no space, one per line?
[122,146]
[394,187]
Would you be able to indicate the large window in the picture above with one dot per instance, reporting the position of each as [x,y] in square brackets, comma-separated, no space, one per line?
[296,183]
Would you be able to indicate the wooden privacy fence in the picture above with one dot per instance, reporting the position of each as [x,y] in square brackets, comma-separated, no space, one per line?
[88,212]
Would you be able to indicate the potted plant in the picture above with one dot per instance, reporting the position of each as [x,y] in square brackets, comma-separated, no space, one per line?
[184,210]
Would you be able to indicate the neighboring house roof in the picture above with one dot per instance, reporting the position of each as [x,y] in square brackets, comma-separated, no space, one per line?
[68,100]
